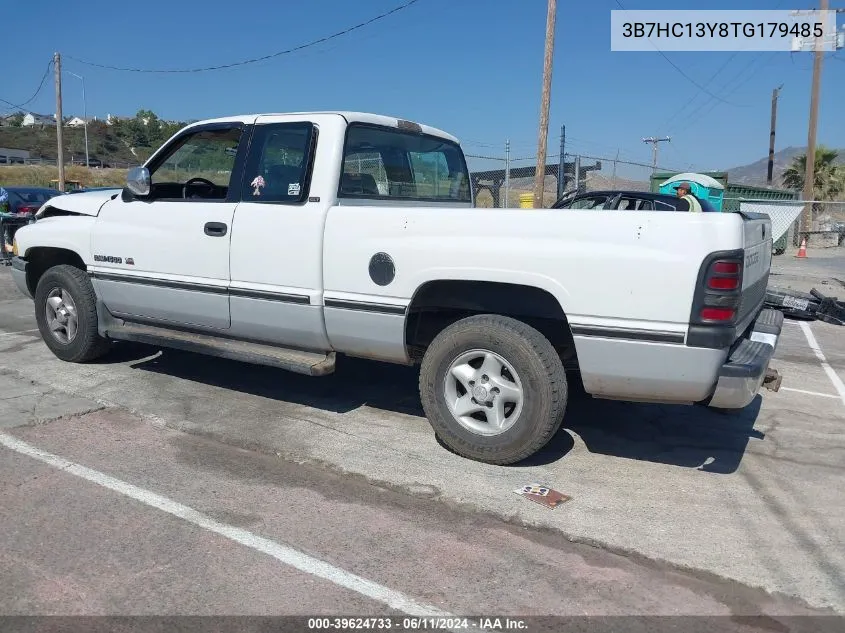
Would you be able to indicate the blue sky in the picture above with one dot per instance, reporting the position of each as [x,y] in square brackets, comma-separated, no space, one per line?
[472,67]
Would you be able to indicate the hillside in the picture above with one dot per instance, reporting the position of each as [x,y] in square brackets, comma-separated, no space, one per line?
[41,143]
[126,142]
[755,173]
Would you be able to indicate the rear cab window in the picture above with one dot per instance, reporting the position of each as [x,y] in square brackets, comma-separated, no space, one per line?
[382,163]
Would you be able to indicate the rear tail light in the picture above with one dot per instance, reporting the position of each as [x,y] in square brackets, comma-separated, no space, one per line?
[723,267]
[27,208]
[720,293]
[717,314]
[724,274]
[723,283]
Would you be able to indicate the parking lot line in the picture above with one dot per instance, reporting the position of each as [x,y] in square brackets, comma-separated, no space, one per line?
[19,332]
[814,345]
[282,553]
[810,393]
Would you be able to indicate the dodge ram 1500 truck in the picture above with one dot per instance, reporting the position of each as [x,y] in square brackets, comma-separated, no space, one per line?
[284,239]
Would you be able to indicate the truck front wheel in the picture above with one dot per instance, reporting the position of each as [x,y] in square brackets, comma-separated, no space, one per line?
[493,389]
[66,312]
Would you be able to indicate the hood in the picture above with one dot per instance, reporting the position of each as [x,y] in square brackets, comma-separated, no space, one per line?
[87,203]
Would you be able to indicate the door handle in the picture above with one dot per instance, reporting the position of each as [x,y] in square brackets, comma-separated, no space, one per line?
[215,229]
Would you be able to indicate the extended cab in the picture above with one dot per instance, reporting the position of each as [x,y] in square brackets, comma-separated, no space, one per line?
[283,239]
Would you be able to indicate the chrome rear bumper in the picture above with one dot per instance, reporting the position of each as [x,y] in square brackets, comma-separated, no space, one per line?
[742,374]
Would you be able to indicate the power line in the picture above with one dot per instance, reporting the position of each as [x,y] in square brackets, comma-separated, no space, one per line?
[624,162]
[696,95]
[715,104]
[709,81]
[21,106]
[254,59]
[681,71]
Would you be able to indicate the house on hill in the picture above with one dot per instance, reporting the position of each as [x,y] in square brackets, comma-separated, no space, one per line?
[111,119]
[78,121]
[31,118]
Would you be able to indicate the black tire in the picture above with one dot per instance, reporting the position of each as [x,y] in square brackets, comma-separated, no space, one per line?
[535,361]
[87,344]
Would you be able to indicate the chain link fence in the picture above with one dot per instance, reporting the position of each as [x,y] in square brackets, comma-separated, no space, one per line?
[508,182]
[827,229]
[501,181]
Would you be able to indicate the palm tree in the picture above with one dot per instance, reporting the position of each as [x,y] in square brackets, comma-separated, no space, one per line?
[829,176]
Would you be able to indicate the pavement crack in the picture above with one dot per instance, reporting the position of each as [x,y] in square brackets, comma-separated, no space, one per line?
[22,395]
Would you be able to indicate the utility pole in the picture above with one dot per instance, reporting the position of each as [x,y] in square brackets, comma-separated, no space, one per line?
[578,174]
[654,141]
[809,173]
[561,174]
[507,174]
[775,95]
[60,157]
[613,186]
[540,175]
[84,113]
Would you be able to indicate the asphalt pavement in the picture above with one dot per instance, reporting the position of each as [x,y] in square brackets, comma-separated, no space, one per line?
[673,510]
[823,269]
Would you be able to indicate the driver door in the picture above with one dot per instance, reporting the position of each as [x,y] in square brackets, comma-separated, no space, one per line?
[165,257]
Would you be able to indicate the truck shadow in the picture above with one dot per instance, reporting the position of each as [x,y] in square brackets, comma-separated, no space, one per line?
[684,436]
[677,435]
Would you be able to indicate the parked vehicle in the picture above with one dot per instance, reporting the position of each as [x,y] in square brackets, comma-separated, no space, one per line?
[87,189]
[70,185]
[625,201]
[27,200]
[285,239]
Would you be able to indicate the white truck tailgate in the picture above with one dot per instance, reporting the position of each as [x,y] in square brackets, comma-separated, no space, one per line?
[758,248]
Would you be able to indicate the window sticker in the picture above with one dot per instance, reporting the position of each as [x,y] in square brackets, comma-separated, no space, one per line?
[257,183]
[293,189]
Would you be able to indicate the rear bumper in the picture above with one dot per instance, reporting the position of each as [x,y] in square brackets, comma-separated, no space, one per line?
[742,374]
[19,265]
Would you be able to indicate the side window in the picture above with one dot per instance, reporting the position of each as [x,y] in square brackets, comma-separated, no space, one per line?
[589,202]
[278,166]
[389,163]
[662,206]
[198,167]
[635,204]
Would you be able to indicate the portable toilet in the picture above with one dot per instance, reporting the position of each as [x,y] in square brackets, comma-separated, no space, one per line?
[702,186]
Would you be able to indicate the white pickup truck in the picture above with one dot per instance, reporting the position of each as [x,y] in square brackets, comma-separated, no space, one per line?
[283,239]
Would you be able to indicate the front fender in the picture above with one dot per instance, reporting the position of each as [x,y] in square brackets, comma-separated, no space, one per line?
[72,233]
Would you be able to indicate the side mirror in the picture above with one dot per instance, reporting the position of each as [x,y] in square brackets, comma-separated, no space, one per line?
[138,181]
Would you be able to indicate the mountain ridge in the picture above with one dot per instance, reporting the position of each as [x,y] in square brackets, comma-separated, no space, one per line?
[755,173]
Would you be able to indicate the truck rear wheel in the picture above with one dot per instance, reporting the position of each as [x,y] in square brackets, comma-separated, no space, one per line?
[493,389]
[66,312]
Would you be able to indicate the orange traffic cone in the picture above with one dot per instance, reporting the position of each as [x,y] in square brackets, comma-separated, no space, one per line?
[802,250]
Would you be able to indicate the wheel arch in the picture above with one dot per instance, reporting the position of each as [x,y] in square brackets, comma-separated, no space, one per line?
[41,258]
[437,303]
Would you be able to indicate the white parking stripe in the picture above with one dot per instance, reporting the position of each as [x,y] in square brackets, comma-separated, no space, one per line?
[810,393]
[834,377]
[282,553]
[20,332]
